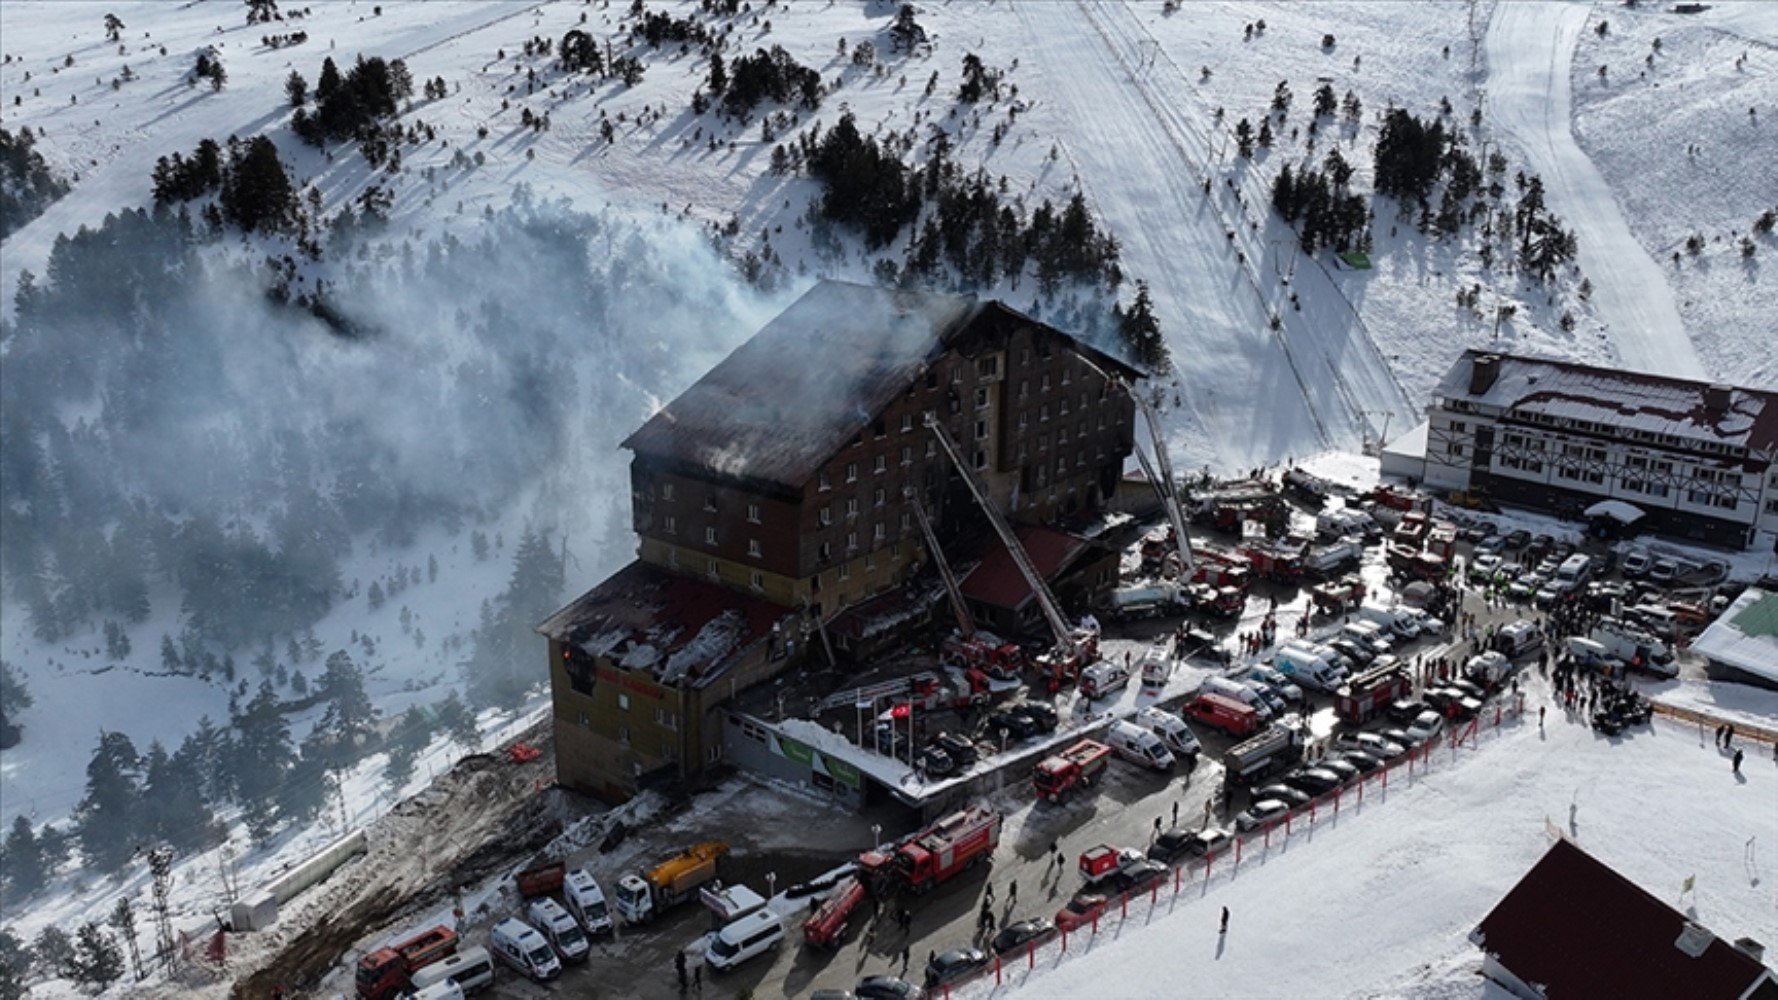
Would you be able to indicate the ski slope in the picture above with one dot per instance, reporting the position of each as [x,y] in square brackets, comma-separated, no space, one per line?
[1530,48]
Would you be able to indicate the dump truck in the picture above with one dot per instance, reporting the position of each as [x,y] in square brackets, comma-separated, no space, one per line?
[541,880]
[641,898]
[1279,746]
[1076,767]
[1326,560]
[952,845]
[384,972]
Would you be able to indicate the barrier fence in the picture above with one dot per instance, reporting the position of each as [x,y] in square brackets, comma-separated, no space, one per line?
[1750,731]
[1416,762]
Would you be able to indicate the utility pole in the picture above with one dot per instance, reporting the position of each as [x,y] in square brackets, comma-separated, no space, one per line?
[160,866]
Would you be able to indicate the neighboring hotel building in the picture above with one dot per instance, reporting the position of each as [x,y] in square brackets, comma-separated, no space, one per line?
[1697,459]
[771,496]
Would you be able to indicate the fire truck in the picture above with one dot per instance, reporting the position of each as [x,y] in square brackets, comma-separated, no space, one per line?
[1281,560]
[1076,767]
[1369,693]
[940,852]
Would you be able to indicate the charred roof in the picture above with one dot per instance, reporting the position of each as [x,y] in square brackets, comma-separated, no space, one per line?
[785,401]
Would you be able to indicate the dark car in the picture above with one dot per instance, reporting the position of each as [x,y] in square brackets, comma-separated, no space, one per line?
[935,761]
[1517,539]
[1361,760]
[1313,780]
[1353,651]
[1017,935]
[1014,725]
[1346,771]
[1470,689]
[886,988]
[1041,715]
[1171,846]
[1138,876]
[1562,550]
[953,965]
[1284,793]
[1405,710]
[962,751]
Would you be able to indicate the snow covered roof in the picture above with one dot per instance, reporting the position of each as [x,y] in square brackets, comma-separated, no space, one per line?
[783,402]
[1617,510]
[1577,928]
[1745,635]
[678,628]
[1656,404]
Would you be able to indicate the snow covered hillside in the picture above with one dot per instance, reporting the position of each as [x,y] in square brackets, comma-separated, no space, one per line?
[550,254]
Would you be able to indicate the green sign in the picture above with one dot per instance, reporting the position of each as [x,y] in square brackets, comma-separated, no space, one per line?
[798,752]
[840,771]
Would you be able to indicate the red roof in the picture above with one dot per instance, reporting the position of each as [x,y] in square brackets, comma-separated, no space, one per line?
[679,628]
[1579,929]
[997,581]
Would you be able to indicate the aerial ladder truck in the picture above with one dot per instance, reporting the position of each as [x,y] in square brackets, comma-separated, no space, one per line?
[983,657]
[1074,648]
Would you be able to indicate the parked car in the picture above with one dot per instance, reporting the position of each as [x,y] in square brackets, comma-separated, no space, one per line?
[1469,688]
[1015,936]
[1139,875]
[1663,572]
[1425,727]
[1359,655]
[1011,724]
[1637,562]
[1478,529]
[1364,762]
[1405,710]
[1313,780]
[1283,793]
[886,988]
[1080,911]
[1171,845]
[1376,744]
[1042,715]
[1277,682]
[961,751]
[1340,767]
[1397,736]
[950,966]
[935,761]
[1483,567]
[1517,539]
[1260,813]
[1209,840]
[1492,544]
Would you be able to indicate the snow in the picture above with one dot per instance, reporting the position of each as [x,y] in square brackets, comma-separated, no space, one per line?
[1741,704]
[1530,48]
[1617,510]
[1405,886]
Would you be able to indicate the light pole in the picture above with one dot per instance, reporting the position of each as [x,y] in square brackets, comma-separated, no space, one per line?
[876,836]
[771,884]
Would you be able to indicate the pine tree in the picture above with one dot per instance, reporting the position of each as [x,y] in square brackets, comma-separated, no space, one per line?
[296,89]
[349,713]
[1141,332]
[431,569]
[303,793]
[113,27]
[412,733]
[14,699]
[170,661]
[173,805]
[107,817]
[15,966]
[54,952]
[256,192]
[1265,133]
[1244,138]
[375,595]
[328,84]
[123,921]
[459,722]
[261,755]
[905,32]
[97,960]
[23,866]
[718,74]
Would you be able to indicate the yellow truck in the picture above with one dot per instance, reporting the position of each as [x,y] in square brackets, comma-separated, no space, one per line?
[641,898]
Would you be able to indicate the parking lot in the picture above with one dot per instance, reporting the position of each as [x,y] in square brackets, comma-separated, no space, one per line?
[809,837]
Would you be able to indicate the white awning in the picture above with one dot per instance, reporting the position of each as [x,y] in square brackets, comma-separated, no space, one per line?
[1617,510]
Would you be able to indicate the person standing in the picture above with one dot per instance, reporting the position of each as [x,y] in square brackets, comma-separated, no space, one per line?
[1225,921]
[679,967]
[1737,762]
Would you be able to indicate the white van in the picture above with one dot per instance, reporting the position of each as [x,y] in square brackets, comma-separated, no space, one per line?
[1370,635]
[1396,620]
[444,990]
[470,968]
[1103,678]
[1311,666]
[1588,653]
[523,947]
[555,923]
[1172,730]
[1519,638]
[1573,572]
[1243,693]
[1139,746]
[748,937]
[586,901]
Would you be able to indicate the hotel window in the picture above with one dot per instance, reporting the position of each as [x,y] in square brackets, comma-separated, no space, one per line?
[666,719]
[1024,388]
[907,455]
[666,491]
[851,472]
[758,580]
[670,524]
[981,429]
[907,520]
[1043,385]
[623,735]
[1024,420]
[851,541]
[826,553]
[826,483]
[880,498]
[1043,412]
[826,515]
[851,506]
[878,531]
[870,562]
[753,547]
[882,464]
[1081,459]
[709,536]
[753,512]
[710,501]
[673,558]
[907,422]
[623,702]
[987,367]
[981,398]
[931,447]
[711,570]
[845,571]
[981,459]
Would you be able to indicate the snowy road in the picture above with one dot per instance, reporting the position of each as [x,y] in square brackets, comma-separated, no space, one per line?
[1530,47]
